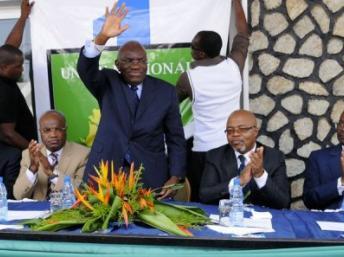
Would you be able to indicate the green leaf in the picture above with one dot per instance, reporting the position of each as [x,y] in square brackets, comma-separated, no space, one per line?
[160,221]
[181,215]
[115,206]
[92,225]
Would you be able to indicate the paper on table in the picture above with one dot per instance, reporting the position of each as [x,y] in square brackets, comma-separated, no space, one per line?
[22,200]
[11,226]
[23,215]
[261,215]
[250,226]
[248,222]
[239,230]
[331,225]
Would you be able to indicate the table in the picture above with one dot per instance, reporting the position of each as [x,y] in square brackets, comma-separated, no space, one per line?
[292,229]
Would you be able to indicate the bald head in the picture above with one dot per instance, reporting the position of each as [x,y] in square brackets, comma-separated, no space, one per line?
[130,46]
[55,114]
[242,130]
[132,63]
[52,126]
[243,115]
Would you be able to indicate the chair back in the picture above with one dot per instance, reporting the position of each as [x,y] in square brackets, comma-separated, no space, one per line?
[184,194]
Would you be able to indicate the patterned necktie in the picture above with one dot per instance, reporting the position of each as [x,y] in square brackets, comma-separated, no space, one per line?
[136,99]
[54,159]
[53,162]
[242,163]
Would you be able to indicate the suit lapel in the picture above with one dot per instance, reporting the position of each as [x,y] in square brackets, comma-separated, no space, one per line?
[230,162]
[335,152]
[128,98]
[147,97]
[65,159]
[334,160]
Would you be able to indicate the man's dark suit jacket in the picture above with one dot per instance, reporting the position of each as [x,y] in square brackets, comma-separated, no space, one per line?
[9,166]
[157,121]
[322,172]
[221,166]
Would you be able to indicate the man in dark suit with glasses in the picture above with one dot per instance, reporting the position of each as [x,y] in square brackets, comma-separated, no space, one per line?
[261,169]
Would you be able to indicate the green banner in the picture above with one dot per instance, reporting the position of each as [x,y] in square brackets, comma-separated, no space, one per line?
[81,109]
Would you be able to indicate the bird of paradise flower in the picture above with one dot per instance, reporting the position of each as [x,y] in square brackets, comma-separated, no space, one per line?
[120,197]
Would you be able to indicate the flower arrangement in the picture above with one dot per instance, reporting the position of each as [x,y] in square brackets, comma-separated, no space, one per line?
[119,197]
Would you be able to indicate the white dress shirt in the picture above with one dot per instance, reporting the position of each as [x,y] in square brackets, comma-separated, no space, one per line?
[340,186]
[260,181]
[31,176]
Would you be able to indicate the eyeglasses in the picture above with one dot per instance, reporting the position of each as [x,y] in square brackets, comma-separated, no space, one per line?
[131,61]
[340,125]
[240,130]
[49,130]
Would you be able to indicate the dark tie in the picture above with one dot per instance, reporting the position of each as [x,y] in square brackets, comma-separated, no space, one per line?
[242,163]
[136,99]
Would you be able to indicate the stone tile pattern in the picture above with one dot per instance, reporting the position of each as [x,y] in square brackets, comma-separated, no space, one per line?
[297,78]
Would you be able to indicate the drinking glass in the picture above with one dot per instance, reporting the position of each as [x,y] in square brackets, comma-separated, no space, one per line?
[56,200]
[224,209]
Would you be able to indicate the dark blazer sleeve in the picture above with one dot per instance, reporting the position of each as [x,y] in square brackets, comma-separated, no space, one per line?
[91,76]
[216,175]
[221,167]
[175,140]
[211,188]
[9,167]
[320,187]
[276,192]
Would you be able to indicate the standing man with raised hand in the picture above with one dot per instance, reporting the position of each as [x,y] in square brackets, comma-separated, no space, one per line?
[139,113]
[17,124]
[214,85]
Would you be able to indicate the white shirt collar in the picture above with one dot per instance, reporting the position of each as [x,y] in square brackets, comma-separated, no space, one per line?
[139,89]
[247,154]
[58,153]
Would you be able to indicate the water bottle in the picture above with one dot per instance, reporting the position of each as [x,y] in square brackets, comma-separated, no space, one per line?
[236,214]
[3,201]
[68,193]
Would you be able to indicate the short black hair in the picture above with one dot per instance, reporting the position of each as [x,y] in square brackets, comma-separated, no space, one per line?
[9,54]
[210,43]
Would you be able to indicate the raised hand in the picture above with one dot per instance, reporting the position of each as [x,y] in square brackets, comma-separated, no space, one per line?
[25,8]
[34,148]
[112,26]
[257,162]
[44,162]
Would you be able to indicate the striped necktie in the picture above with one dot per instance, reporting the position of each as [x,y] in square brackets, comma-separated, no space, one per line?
[53,162]
[54,159]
